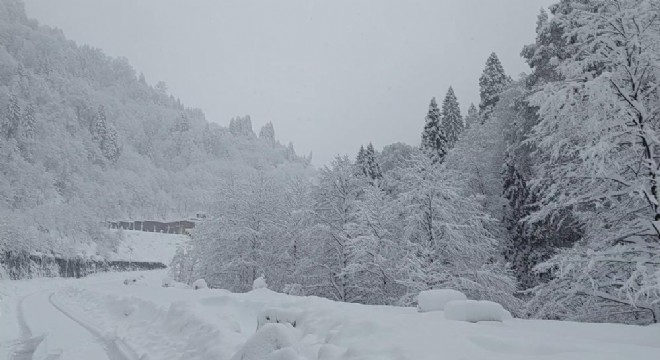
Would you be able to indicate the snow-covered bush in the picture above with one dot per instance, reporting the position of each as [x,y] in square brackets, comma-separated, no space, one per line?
[435,300]
[268,342]
[475,310]
[200,284]
[259,283]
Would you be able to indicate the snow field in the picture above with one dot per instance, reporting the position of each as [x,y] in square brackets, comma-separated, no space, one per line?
[147,246]
[434,300]
[172,323]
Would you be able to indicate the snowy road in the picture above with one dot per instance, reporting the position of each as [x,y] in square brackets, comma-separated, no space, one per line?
[51,332]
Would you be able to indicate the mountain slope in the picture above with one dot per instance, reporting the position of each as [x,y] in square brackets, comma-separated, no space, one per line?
[84,139]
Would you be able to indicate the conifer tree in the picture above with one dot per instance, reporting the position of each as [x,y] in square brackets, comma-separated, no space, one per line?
[472,117]
[99,126]
[434,140]
[12,119]
[452,121]
[372,167]
[360,162]
[28,122]
[110,145]
[267,132]
[491,83]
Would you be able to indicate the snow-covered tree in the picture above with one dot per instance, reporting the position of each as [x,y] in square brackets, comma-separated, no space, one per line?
[598,129]
[452,121]
[361,161]
[11,123]
[448,245]
[434,139]
[491,83]
[241,126]
[267,132]
[472,117]
[28,122]
[336,212]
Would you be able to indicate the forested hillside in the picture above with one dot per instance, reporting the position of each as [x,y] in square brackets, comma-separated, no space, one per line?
[84,139]
[545,198]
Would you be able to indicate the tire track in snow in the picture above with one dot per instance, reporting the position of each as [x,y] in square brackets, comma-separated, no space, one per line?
[116,349]
[26,345]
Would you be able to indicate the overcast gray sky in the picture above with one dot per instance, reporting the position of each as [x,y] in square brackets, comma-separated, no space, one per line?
[330,75]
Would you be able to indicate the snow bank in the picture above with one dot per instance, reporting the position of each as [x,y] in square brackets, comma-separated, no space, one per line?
[272,341]
[200,284]
[279,316]
[474,311]
[435,300]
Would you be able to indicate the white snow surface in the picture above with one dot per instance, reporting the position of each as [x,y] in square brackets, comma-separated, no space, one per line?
[475,310]
[101,318]
[434,300]
[148,246]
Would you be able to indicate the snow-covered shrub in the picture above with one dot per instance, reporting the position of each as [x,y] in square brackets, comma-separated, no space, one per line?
[475,310]
[266,342]
[279,316]
[200,284]
[259,283]
[435,300]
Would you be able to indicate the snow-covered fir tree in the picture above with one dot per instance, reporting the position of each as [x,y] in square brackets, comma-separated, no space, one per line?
[434,139]
[28,122]
[11,123]
[452,121]
[267,132]
[472,117]
[491,83]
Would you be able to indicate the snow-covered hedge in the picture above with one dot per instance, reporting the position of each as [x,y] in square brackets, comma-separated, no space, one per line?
[474,311]
[435,300]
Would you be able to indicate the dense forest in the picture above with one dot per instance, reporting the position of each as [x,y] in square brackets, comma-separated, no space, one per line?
[543,197]
[85,140]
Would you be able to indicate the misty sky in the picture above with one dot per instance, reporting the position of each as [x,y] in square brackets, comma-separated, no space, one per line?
[330,75]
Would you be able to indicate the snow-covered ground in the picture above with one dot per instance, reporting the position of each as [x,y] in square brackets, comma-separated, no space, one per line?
[148,246]
[101,318]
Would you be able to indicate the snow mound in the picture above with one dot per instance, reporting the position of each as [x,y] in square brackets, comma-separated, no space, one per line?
[135,280]
[259,283]
[167,282]
[271,341]
[474,311]
[279,316]
[436,300]
[200,284]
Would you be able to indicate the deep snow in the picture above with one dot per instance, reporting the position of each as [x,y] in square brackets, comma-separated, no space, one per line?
[175,323]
